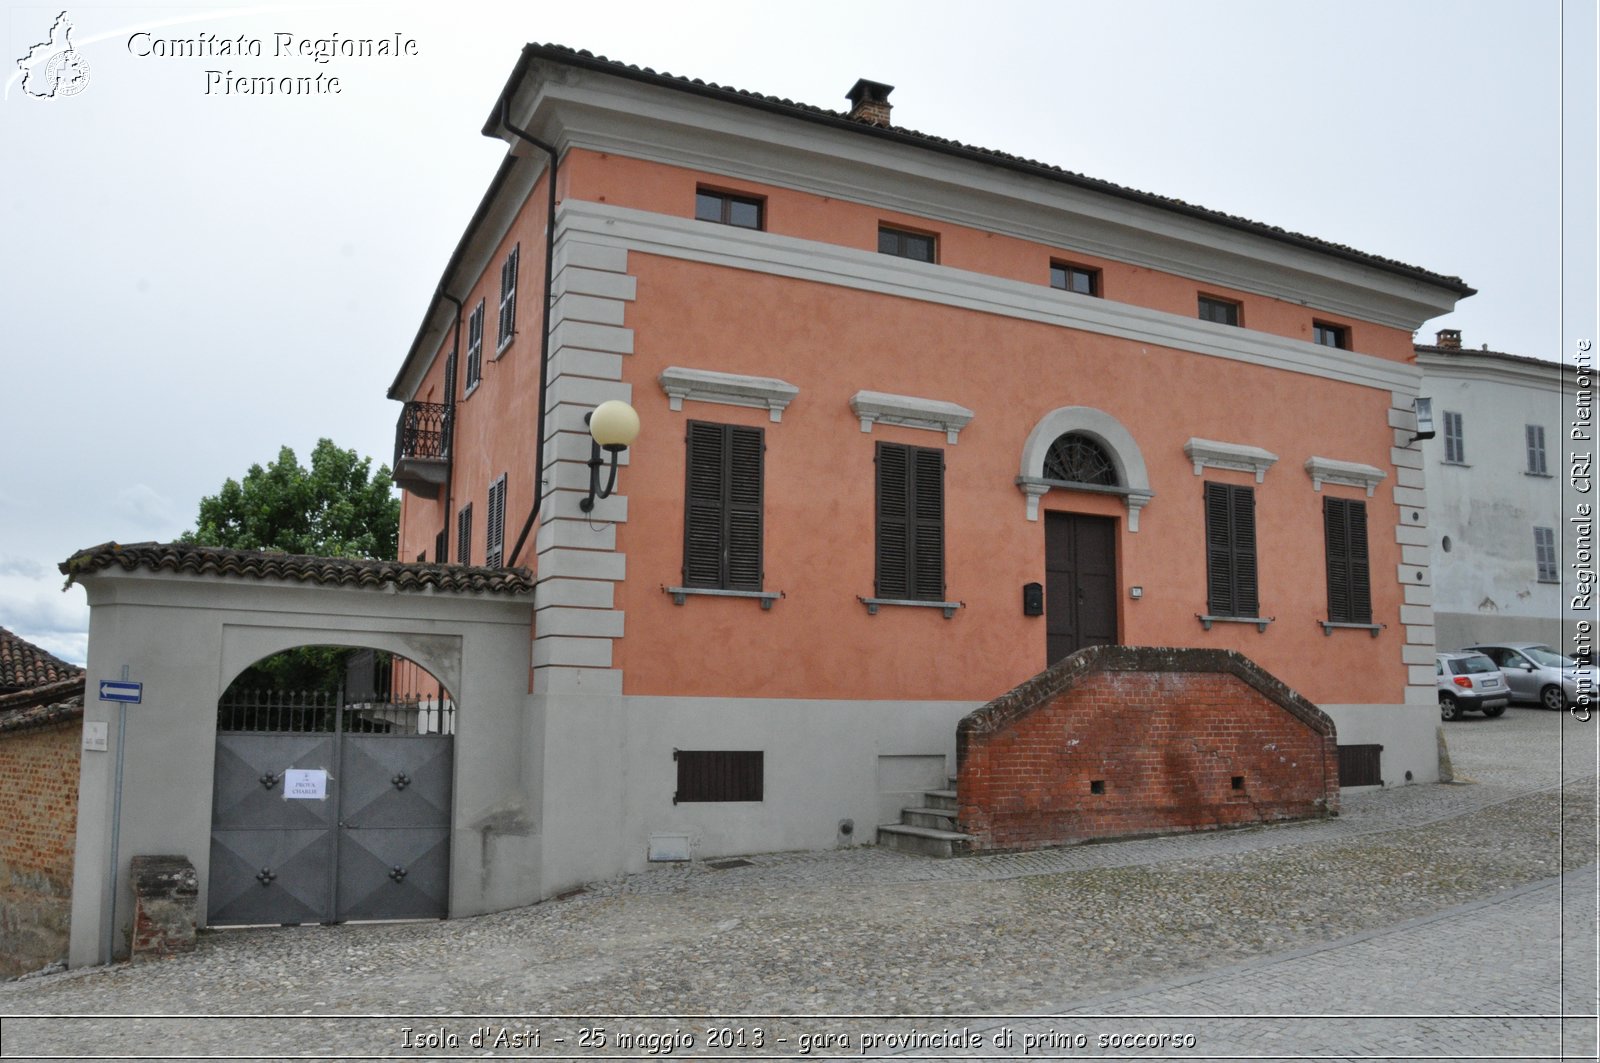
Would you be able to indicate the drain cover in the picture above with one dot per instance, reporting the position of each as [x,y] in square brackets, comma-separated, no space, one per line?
[724,865]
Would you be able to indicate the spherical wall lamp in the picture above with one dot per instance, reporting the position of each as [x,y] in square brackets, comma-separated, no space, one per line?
[613,426]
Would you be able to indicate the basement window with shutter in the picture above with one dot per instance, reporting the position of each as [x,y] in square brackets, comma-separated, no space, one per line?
[719,775]
[1231,581]
[1344,526]
[910,529]
[495,529]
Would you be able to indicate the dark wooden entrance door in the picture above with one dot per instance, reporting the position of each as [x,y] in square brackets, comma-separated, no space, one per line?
[1080,583]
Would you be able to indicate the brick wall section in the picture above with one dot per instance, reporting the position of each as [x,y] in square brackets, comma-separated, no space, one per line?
[1122,740]
[39,807]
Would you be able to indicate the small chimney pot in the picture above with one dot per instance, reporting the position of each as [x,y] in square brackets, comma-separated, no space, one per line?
[869,102]
[1449,339]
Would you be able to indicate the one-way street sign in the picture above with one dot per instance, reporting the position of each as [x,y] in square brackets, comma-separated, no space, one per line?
[132,693]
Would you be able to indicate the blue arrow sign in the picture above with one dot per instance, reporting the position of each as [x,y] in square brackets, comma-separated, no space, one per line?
[133,693]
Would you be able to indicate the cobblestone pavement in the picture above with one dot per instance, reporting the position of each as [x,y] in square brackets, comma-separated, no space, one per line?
[1440,922]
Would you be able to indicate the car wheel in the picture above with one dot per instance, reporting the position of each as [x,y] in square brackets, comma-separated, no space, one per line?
[1552,698]
[1498,710]
[1448,709]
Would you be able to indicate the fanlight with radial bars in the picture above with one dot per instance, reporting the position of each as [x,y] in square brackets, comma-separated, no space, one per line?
[1076,458]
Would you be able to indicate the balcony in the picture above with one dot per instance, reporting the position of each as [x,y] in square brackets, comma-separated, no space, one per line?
[422,448]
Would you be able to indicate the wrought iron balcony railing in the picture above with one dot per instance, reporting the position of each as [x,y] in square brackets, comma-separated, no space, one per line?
[422,447]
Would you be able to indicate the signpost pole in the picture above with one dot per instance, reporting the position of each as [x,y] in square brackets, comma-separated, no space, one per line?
[122,693]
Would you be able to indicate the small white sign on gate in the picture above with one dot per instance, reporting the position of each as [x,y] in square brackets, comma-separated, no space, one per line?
[305,784]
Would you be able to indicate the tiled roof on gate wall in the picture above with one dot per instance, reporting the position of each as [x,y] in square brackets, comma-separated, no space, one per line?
[296,568]
[576,57]
[26,710]
[24,665]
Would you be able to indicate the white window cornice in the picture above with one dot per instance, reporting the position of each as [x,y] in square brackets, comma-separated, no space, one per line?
[1238,456]
[910,412]
[730,389]
[1351,473]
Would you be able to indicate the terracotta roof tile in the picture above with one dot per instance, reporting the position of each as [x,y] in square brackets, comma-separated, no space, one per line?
[577,57]
[24,665]
[42,706]
[296,568]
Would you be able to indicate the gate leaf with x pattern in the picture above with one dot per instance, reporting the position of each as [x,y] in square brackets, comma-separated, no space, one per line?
[375,846]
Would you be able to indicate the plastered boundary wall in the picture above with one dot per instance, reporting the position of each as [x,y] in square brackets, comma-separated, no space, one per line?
[185,637]
[608,775]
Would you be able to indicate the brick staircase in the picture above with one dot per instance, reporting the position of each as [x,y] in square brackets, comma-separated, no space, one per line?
[928,829]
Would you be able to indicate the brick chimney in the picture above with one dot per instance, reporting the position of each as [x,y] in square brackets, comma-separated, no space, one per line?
[1449,339]
[869,102]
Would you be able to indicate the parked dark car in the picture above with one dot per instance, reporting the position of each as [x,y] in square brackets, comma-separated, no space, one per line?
[1469,681]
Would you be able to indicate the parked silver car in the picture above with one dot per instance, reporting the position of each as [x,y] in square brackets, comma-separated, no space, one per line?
[1534,672]
[1469,681]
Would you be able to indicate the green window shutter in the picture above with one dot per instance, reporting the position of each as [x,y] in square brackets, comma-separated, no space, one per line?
[723,507]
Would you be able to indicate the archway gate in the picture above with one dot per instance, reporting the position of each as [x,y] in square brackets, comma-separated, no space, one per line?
[327,809]
[179,622]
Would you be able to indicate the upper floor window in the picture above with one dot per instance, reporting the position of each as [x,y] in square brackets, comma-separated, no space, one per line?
[1536,459]
[508,299]
[722,511]
[1344,526]
[1455,443]
[1330,335]
[464,535]
[474,347]
[725,208]
[1231,580]
[1078,279]
[495,530]
[910,539]
[1221,311]
[903,244]
[1544,555]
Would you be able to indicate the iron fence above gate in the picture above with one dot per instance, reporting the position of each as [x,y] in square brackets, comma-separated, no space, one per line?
[324,711]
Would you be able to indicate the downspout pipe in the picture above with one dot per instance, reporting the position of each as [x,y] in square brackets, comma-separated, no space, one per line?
[544,321]
[450,435]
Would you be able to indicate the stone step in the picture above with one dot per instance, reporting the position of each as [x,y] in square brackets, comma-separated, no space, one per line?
[939,799]
[925,841]
[937,818]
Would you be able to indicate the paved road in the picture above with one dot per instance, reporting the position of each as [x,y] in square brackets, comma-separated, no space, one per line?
[1438,922]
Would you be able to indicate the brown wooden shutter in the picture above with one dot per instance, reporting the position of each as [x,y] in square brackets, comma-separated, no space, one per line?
[1231,577]
[723,507]
[894,523]
[1344,523]
[910,535]
[927,488]
[744,484]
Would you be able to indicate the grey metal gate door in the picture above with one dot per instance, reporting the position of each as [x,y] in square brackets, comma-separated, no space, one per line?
[374,845]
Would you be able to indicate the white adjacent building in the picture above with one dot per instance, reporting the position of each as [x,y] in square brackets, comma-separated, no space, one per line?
[1500,497]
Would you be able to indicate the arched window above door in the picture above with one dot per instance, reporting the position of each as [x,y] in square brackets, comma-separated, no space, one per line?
[1079,458]
[1079,448]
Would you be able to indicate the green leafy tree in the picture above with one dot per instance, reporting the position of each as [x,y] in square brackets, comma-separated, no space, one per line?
[336,508]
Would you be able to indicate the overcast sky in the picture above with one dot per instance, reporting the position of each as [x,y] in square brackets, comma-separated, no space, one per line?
[194,279]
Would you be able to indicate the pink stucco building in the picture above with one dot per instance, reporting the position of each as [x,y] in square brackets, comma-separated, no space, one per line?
[917,419]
